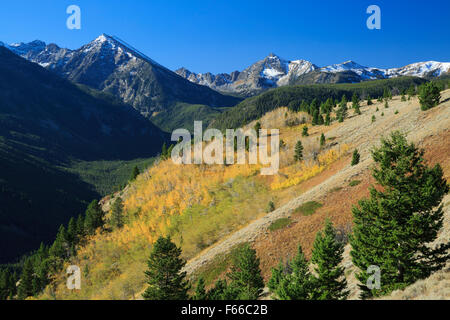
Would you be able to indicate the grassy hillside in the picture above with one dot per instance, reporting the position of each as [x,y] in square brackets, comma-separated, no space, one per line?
[48,125]
[210,210]
[255,107]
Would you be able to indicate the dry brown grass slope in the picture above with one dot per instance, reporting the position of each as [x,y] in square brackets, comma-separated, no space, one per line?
[428,129]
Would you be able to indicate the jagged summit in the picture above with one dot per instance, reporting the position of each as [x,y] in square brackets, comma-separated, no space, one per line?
[272,71]
[110,64]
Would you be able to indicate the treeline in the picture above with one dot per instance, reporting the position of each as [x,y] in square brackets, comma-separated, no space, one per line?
[295,96]
[39,267]
[36,270]
[392,231]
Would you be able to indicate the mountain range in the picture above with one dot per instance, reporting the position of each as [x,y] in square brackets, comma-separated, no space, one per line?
[46,124]
[273,71]
[174,99]
[110,65]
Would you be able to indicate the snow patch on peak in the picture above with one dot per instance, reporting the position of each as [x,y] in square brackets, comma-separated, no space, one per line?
[345,66]
[420,69]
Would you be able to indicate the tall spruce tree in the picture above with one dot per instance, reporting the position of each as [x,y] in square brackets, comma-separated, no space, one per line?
[330,283]
[315,119]
[245,275]
[355,100]
[257,127]
[5,284]
[94,217]
[219,291]
[429,95]
[136,171]
[60,245]
[200,291]
[322,140]
[355,157]
[165,279]
[328,119]
[117,213]
[393,228]
[342,111]
[298,152]
[80,227]
[305,131]
[294,281]
[71,235]
[25,288]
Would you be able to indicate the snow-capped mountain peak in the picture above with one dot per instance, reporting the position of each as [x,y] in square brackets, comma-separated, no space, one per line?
[420,69]
[110,53]
[345,66]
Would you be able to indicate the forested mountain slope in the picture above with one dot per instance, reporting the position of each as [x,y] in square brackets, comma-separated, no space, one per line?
[209,218]
[46,123]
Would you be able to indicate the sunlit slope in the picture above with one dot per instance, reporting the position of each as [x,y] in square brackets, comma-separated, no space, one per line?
[208,210]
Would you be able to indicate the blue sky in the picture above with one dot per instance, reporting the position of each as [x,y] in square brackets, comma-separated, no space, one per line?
[227,35]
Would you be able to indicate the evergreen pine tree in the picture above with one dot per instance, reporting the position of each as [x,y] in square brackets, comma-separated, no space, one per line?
[328,119]
[59,247]
[305,131]
[169,151]
[330,283]
[314,106]
[25,288]
[5,289]
[163,152]
[304,106]
[315,119]
[373,118]
[277,275]
[117,213]
[294,282]
[42,272]
[394,227]
[219,291]
[245,274]
[136,171]
[355,157]
[429,95]
[342,111]
[386,93]
[80,227]
[200,291]
[257,128]
[355,101]
[164,276]
[321,120]
[369,100]
[298,153]
[322,140]
[71,235]
[93,218]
